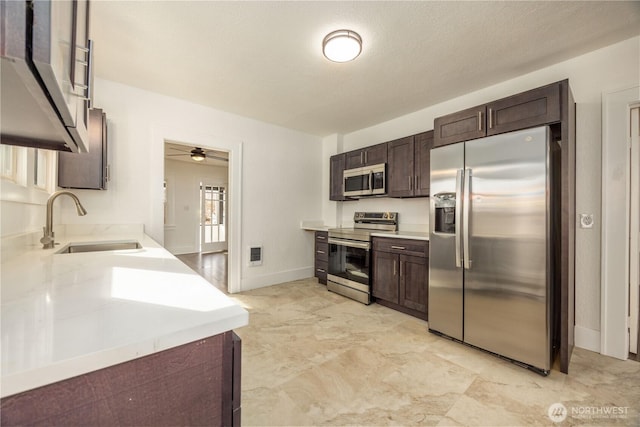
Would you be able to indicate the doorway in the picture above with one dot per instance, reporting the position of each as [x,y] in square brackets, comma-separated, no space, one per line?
[195,208]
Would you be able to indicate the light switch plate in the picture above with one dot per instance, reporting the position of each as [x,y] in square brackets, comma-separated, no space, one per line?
[586,220]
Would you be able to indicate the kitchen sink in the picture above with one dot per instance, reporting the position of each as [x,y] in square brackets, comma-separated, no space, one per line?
[73,248]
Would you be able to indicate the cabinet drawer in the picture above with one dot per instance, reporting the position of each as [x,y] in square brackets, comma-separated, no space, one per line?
[320,271]
[322,251]
[419,248]
[322,236]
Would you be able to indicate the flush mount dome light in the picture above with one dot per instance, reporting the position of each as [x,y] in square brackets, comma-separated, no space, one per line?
[342,46]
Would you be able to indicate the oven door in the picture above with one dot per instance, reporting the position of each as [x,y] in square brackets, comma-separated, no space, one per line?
[349,263]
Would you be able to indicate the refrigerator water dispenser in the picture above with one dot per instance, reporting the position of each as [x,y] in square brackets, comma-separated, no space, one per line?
[445,213]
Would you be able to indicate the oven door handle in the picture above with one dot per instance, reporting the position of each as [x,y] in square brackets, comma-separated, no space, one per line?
[350,243]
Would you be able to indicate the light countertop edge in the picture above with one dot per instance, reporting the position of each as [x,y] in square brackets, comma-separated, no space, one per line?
[50,300]
[415,235]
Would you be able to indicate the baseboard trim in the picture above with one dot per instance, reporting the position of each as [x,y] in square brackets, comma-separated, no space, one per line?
[587,338]
[274,278]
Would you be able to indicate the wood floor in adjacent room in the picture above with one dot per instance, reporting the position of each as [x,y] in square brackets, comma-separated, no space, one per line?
[312,357]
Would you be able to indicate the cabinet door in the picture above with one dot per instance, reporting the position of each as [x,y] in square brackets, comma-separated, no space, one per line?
[460,126]
[385,276]
[375,154]
[528,109]
[336,169]
[87,170]
[422,163]
[354,159]
[400,176]
[414,282]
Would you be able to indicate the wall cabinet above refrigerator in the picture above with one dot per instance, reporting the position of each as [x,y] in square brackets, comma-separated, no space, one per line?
[45,74]
[534,107]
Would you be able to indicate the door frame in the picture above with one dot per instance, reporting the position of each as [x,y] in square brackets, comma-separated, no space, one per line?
[614,334]
[161,133]
[634,230]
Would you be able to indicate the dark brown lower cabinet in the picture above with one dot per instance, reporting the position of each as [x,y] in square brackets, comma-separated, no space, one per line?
[193,384]
[401,275]
[321,256]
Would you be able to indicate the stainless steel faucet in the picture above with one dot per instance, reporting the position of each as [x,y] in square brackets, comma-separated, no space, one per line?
[47,240]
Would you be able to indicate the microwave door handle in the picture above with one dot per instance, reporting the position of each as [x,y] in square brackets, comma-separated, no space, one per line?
[371,182]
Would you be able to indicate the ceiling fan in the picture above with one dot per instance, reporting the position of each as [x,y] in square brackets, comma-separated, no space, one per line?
[198,154]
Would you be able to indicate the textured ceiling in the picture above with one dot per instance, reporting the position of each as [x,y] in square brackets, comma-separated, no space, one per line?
[263,60]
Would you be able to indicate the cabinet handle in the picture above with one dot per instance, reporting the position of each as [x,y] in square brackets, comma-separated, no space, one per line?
[366,157]
[320,252]
[490,118]
[362,157]
[401,268]
[402,248]
[417,181]
[87,86]
[479,120]
[395,268]
[320,237]
[320,270]
[410,183]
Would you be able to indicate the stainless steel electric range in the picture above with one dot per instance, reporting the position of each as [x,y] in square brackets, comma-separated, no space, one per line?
[349,254]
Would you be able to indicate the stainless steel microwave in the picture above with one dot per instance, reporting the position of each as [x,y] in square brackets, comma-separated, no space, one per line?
[365,181]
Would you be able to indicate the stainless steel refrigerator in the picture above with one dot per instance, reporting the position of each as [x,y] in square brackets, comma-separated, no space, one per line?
[490,257]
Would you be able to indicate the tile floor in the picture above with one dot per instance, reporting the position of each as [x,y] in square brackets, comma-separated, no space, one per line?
[311,357]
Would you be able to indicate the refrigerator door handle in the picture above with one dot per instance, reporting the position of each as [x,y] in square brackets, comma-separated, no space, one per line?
[466,208]
[459,175]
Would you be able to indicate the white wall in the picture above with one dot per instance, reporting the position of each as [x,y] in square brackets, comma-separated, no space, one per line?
[590,75]
[181,232]
[279,177]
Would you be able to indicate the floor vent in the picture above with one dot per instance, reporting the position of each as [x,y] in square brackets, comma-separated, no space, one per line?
[255,255]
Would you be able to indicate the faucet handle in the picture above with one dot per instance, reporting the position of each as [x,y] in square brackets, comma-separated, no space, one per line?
[47,239]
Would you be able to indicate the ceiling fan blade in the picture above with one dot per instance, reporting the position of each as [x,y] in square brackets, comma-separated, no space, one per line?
[217,158]
[171,155]
[177,149]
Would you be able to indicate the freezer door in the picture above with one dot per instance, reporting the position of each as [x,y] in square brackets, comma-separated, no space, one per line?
[445,267]
[507,265]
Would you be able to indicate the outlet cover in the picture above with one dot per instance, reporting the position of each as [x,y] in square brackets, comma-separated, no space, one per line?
[586,220]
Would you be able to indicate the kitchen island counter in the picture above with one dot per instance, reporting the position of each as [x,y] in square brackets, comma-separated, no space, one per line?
[64,315]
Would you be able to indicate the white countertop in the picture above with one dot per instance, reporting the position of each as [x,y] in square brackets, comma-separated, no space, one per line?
[68,314]
[416,235]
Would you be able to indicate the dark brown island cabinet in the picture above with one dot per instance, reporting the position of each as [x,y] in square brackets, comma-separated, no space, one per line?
[409,165]
[551,105]
[322,256]
[192,384]
[372,155]
[401,274]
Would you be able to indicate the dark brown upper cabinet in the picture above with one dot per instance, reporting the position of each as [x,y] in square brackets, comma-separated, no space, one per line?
[527,109]
[46,71]
[409,165]
[373,155]
[87,170]
[336,181]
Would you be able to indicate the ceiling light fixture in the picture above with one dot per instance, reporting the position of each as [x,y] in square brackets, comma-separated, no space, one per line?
[197,154]
[342,46]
